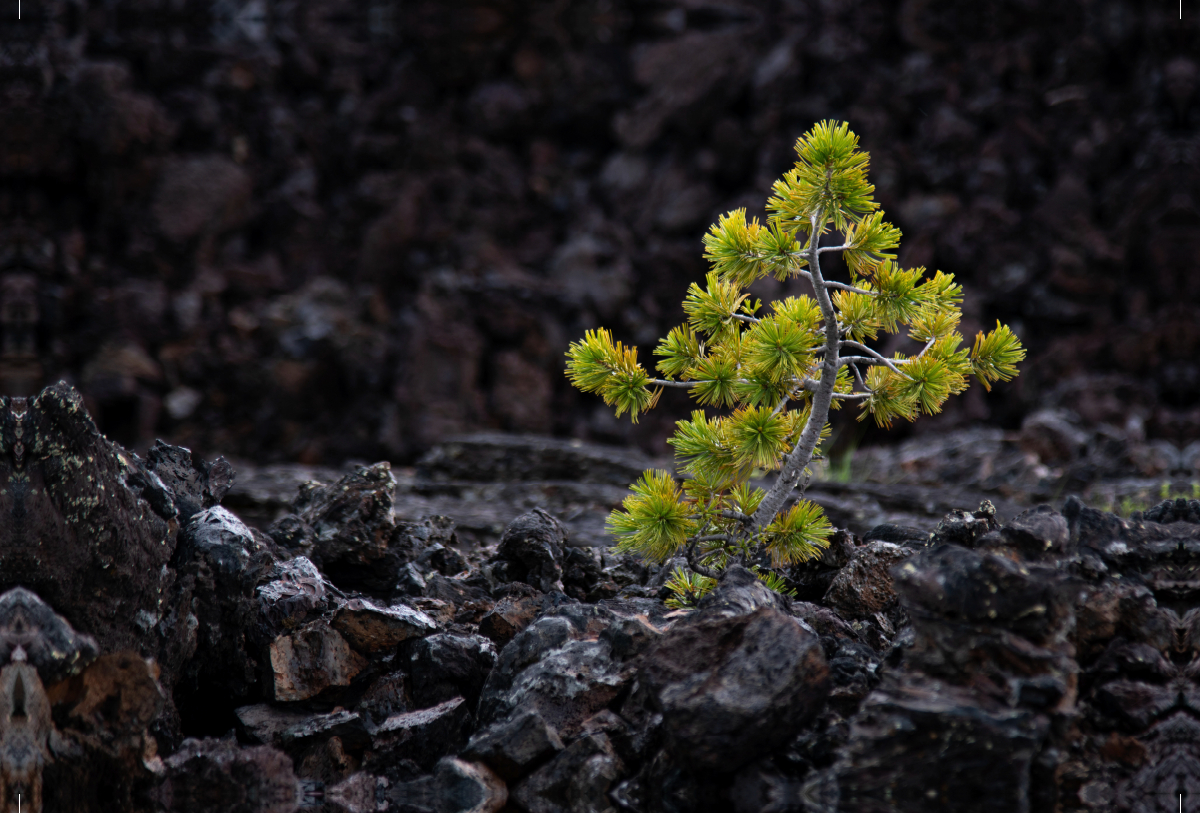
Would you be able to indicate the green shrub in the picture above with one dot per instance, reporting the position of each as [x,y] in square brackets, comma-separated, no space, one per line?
[780,369]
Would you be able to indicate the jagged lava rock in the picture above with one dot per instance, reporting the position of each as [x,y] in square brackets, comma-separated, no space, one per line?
[456,786]
[311,659]
[733,686]
[511,746]
[79,521]
[577,779]
[741,592]
[567,665]
[1039,531]
[193,484]
[920,744]
[508,617]
[370,628]
[446,665]
[348,530]
[423,736]
[218,562]
[532,551]
[864,586]
[970,610]
[294,592]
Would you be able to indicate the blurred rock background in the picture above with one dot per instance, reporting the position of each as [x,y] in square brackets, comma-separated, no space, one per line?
[348,229]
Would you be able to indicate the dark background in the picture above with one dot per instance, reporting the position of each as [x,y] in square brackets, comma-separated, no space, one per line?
[339,229]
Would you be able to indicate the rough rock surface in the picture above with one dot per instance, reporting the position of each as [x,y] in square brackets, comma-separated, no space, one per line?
[732,687]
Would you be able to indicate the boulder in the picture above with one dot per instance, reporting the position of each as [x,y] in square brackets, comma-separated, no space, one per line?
[577,780]
[733,687]
[532,551]
[310,660]
[512,746]
[864,586]
[370,628]
[447,665]
[423,736]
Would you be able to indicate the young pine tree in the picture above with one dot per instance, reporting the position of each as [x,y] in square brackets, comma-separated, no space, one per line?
[781,369]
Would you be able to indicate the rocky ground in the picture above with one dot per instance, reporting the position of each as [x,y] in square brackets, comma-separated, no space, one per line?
[359,651]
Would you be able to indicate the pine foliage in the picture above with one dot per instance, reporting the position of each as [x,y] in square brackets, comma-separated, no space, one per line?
[769,368]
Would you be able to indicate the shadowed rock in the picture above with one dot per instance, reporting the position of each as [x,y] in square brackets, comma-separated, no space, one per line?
[456,786]
[310,660]
[732,687]
[577,779]
[511,746]
[532,551]
[370,628]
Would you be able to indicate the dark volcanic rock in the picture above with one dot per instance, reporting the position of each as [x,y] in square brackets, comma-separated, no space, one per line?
[864,586]
[564,666]
[370,628]
[732,687]
[310,660]
[532,551]
[47,641]
[456,786]
[974,611]
[1040,530]
[512,745]
[447,665]
[345,528]
[217,775]
[218,562]
[1049,663]
[423,736]
[895,758]
[741,592]
[193,483]
[91,553]
[964,527]
[578,779]
[509,616]
[295,592]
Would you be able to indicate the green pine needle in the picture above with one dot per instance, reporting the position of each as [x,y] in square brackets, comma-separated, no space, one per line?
[688,588]
[994,356]
[778,350]
[655,519]
[798,534]
[681,350]
[711,310]
[758,437]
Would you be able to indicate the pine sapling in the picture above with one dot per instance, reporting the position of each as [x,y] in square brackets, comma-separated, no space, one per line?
[781,369]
